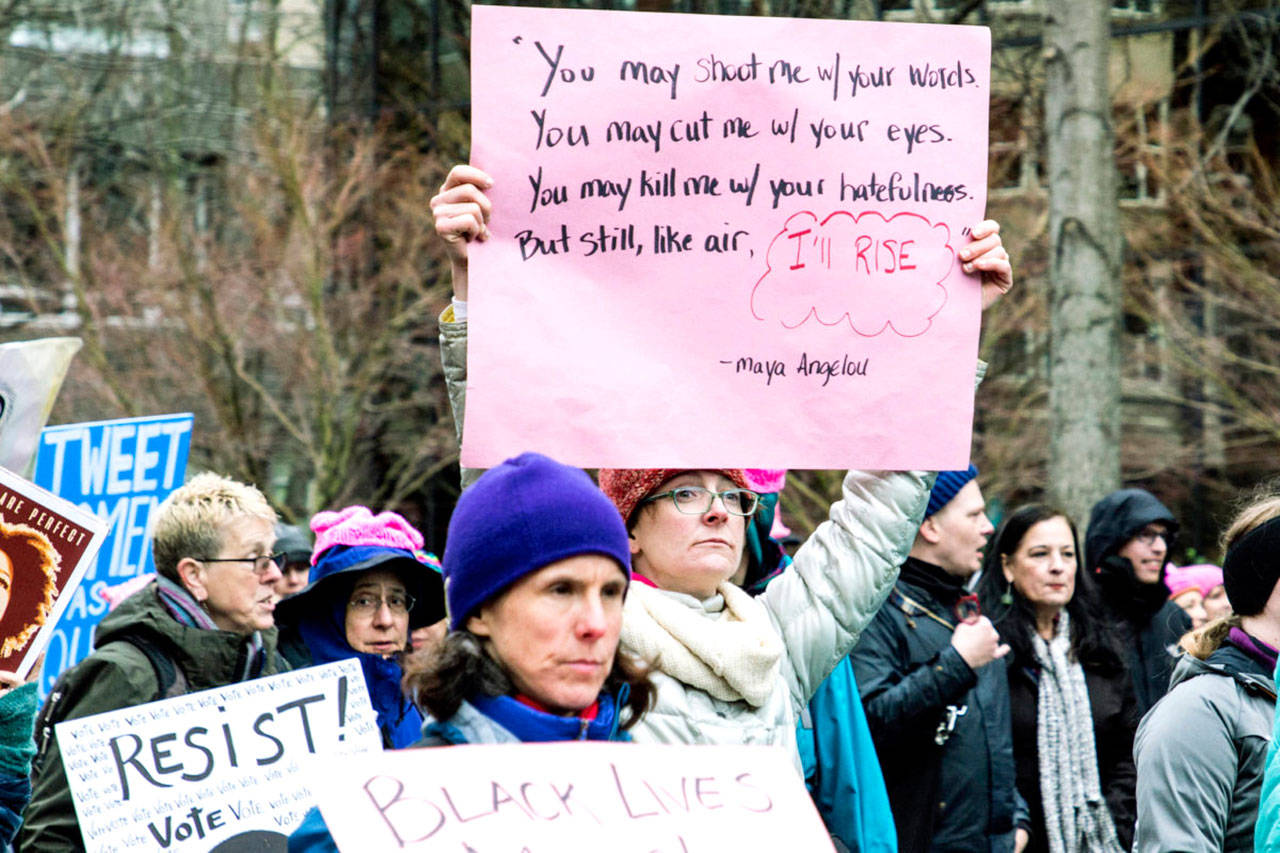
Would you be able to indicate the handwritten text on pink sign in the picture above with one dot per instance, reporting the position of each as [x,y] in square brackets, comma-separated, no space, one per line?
[730,215]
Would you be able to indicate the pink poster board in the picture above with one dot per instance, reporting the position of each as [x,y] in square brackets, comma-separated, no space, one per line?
[725,241]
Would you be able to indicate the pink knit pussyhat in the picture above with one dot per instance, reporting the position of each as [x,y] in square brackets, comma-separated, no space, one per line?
[1204,577]
[357,525]
[765,480]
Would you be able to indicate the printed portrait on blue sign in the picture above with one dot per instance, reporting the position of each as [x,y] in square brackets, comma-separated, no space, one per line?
[120,471]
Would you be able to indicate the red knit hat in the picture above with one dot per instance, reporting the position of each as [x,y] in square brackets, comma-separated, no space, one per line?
[626,487]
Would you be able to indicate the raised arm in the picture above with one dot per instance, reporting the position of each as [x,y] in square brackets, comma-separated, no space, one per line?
[843,572]
[461,211]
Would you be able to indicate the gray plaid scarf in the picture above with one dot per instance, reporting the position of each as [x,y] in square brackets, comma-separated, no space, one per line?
[1076,817]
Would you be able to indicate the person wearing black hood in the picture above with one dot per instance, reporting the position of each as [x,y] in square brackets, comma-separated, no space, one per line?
[1128,542]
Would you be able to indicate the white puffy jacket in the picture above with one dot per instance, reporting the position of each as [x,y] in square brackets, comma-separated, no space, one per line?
[818,606]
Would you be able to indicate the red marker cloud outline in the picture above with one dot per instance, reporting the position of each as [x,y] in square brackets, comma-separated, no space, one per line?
[845,316]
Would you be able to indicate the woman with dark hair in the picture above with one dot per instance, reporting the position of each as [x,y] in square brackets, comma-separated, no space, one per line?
[536,568]
[1073,707]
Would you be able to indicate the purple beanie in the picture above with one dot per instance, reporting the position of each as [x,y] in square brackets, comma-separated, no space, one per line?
[524,514]
[948,484]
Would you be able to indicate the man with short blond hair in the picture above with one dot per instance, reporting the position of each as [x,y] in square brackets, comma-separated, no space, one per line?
[206,621]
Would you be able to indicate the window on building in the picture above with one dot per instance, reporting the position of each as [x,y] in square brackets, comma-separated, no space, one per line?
[1136,7]
[1141,137]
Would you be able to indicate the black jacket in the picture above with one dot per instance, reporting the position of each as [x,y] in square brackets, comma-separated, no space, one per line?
[1147,625]
[1151,650]
[1115,719]
[959,796]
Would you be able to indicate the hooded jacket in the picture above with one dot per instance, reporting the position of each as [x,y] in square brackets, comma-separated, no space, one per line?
[314,629]
[1201,754]
[1148,625]
[119,675]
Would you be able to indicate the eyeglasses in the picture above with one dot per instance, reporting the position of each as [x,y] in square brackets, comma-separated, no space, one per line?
[398,603]
[1148,535]
[261,564]
[696,500]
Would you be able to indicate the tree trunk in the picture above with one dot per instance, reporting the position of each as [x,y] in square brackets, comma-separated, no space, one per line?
[1084,262]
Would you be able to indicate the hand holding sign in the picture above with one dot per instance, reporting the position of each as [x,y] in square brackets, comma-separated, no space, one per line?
[461,211]
[988,257]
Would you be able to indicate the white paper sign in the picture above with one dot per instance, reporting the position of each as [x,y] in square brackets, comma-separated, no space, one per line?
[193,772]
[569,797]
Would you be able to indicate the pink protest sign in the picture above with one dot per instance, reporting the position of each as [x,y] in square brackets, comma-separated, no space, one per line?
[725,241]
[575,797]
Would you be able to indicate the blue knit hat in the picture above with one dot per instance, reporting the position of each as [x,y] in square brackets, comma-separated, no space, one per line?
[524,514]
[948,484]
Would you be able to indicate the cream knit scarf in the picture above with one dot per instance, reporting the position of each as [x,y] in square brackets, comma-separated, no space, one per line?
[1076,817]
[733,654]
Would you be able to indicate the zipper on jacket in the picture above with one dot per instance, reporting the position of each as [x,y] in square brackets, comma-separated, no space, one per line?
[582,732]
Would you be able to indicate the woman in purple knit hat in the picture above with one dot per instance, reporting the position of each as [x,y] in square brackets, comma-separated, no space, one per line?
[536,568]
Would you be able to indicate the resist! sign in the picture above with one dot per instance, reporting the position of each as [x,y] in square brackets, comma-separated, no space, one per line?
[569,797]
[706,228]
[192,772]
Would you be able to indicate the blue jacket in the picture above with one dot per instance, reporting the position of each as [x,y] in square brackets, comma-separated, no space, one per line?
[314,628]
[1266,834]
[487,720]
[841,768]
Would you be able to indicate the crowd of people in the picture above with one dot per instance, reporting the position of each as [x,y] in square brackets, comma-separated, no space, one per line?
[940,684]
